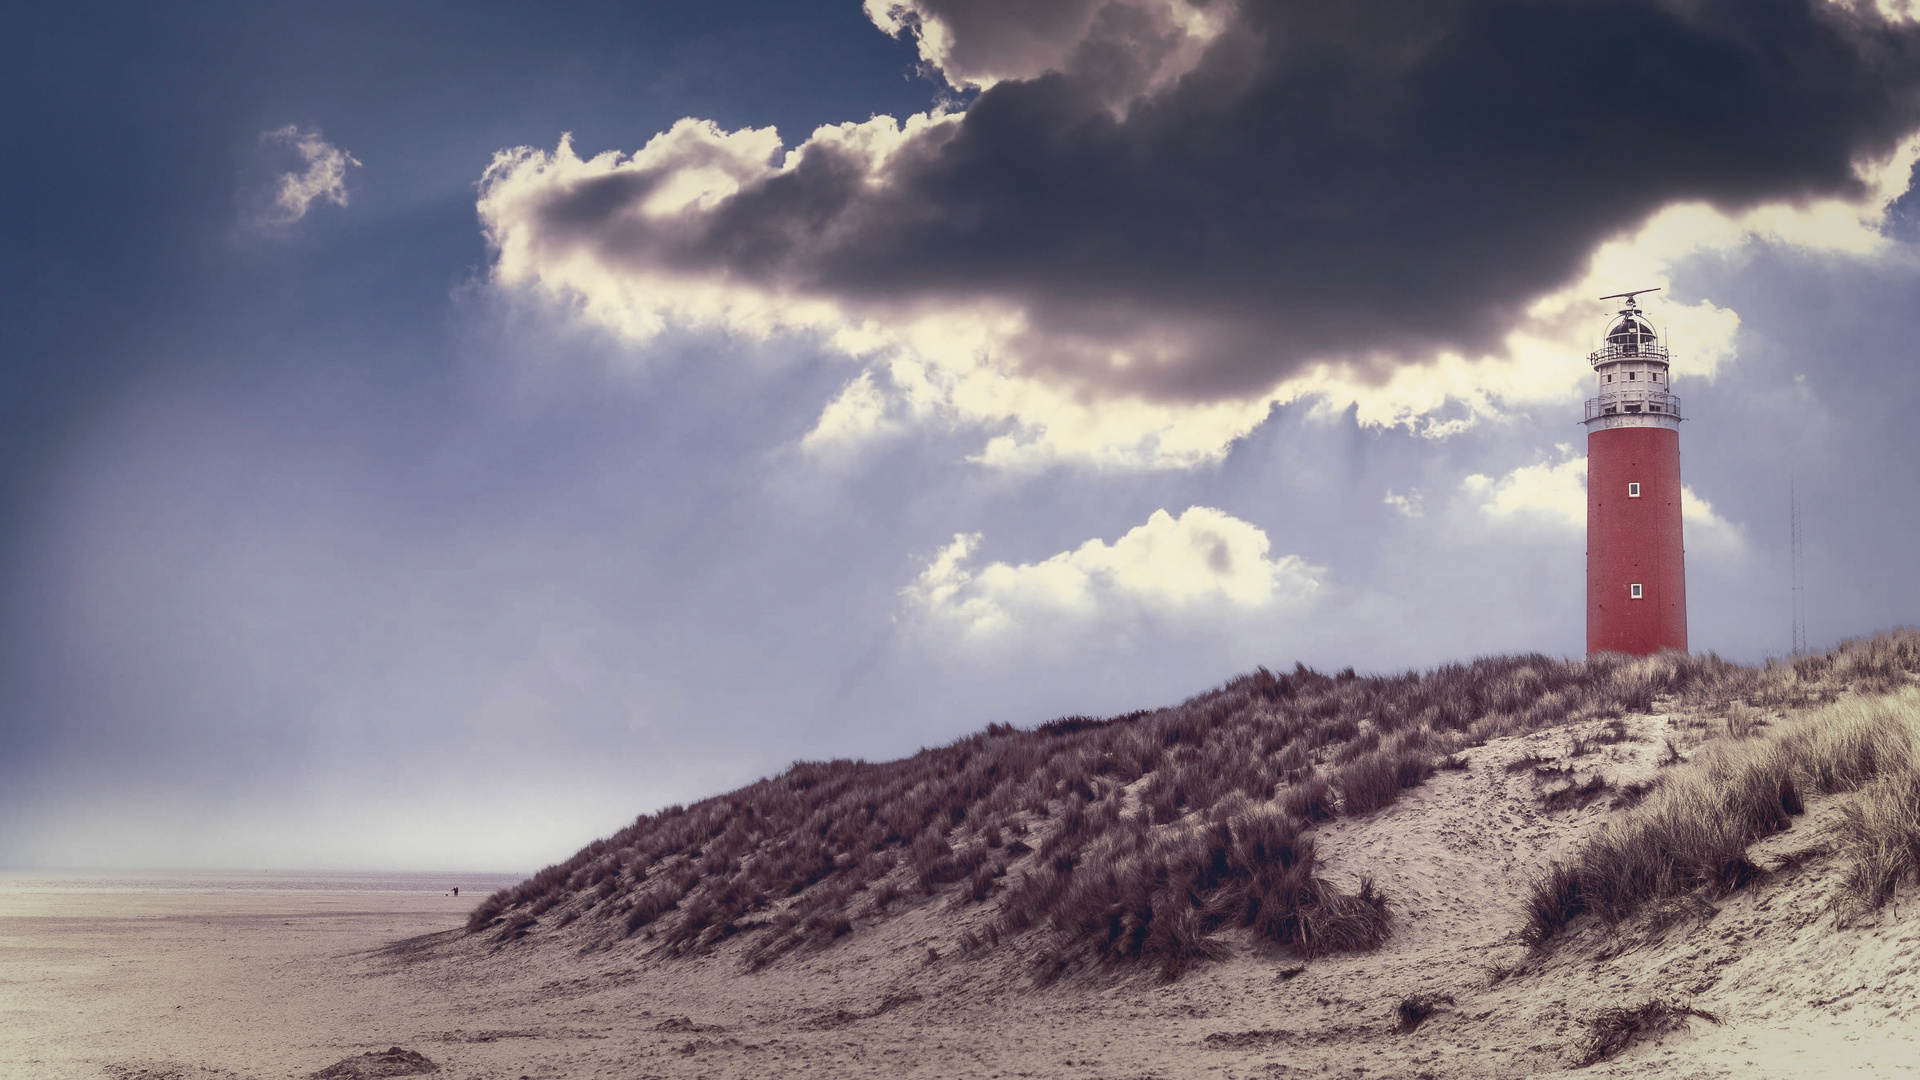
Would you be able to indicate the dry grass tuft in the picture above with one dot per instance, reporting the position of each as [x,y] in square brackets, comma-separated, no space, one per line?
[1414,1010]
[1880,840]
[1162,896]
[1574,796]
[1629,795]
[1553,900]
[1310,800]
[1374,780]
[1614,1029]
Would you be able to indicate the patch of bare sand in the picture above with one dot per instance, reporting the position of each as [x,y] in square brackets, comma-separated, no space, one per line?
[277,989]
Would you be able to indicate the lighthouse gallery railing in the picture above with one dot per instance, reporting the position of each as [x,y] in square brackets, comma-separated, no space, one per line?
[1631,402]
[1608,354]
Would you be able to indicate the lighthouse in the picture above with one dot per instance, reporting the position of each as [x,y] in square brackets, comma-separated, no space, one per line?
[1636,561]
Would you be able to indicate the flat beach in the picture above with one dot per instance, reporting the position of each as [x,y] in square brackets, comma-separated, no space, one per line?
[210,974]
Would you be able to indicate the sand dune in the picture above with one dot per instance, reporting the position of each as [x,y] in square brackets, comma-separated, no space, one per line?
[194,986]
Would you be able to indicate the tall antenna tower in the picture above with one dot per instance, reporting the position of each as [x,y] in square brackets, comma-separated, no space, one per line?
[1799,587]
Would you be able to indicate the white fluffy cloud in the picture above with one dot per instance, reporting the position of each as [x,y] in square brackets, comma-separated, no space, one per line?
[857,415]
[1556,493]
[323,180]
[1203,559]
[1141,44]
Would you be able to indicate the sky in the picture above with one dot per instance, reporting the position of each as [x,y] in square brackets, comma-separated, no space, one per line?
[432,434]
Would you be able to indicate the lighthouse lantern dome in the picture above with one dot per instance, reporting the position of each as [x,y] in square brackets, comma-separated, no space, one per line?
[1630,330]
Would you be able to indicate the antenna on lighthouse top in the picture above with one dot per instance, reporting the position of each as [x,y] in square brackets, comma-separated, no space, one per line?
[1630,295]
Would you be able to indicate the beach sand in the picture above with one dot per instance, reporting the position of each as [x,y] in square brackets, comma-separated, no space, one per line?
[108,981]
[133,984]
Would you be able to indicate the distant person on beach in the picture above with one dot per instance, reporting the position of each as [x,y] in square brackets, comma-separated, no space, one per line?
[456,890]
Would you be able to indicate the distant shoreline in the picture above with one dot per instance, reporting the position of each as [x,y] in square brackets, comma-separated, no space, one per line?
[478,883]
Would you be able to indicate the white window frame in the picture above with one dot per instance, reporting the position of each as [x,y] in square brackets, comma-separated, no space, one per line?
[1634,592]
[1633,490]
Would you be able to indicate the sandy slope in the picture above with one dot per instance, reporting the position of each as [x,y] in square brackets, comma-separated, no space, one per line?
[274,987]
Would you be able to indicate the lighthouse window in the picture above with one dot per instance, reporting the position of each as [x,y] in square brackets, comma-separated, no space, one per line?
[1634,591]
[1633,491]
[1632,375]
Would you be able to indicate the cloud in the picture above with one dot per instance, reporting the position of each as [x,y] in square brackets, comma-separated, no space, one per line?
[1706,532]
[1405,505]
[1203,559]
[1158,219]
[857,415]
[1556,493]
[1128,47]
[324,180]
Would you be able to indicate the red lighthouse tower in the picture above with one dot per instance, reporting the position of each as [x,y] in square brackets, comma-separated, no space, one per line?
[1636,562]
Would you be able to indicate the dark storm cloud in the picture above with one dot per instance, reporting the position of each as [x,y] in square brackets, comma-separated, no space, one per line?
[1332,179]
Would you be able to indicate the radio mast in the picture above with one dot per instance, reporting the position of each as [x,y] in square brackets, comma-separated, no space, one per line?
[1799,588]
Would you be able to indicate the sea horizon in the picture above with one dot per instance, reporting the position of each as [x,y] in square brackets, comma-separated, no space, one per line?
[478,883]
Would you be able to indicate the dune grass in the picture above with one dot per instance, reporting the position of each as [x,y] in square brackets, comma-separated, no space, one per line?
[1691,836]
[1160,895]
[1132,839]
